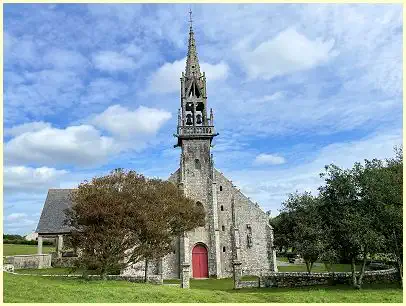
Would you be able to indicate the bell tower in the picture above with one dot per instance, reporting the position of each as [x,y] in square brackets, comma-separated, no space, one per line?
[195,132]
[193,120]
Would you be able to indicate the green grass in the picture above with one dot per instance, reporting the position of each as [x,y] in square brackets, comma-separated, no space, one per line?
[48,271]
[59,290]
[322,268]
[283,259]
[24,249]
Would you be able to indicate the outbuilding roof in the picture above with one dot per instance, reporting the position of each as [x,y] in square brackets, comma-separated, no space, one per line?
[53,214]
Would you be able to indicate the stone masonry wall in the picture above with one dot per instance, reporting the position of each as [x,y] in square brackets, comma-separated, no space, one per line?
[138,269]
[39,261]
[196,170]
[254,256]
[301,279]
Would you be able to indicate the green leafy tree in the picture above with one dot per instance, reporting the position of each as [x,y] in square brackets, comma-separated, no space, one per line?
[350,213]
[384,180]
[306,233]
[283,231]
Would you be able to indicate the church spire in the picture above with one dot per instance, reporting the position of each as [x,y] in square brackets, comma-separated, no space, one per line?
[192,61]
[193,119]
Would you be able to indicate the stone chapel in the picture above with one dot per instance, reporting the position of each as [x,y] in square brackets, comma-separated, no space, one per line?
[237,231]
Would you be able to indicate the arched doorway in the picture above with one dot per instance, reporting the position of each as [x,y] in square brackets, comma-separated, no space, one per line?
[200,265]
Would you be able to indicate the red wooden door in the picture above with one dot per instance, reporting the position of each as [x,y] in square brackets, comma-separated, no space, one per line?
[200,262]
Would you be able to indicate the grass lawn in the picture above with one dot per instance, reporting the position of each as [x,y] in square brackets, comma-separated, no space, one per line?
[24,249]
[58,290]
[48,271]
[322,268]
[283,259]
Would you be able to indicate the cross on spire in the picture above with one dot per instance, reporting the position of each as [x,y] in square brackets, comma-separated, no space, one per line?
[190,18]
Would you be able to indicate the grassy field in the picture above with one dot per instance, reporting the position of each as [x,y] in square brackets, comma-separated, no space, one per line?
[58,289]
[24,249]
[322,268]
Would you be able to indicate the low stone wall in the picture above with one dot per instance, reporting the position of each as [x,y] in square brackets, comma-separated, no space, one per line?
[38,261]
[153,279]
[301,279]
[63,262]
[249,284]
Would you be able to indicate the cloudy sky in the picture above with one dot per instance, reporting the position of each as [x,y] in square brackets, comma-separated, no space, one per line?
[89,88]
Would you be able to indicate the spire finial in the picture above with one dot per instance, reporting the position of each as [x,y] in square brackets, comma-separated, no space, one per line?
[190,18]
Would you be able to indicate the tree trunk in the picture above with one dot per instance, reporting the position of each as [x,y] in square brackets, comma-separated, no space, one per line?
[311,266]
[354,277]
[146,270]
[362,272]
[399,259]
[307,266]
[103,274]
[400,267]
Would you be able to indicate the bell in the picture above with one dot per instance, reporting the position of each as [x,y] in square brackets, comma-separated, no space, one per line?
[199,119]
[189,119]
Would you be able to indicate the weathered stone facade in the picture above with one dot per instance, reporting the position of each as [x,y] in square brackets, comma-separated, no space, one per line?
[302,279]
[236,229]
[39,261]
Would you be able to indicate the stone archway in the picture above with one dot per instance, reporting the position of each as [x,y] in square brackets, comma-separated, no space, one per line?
[200,262]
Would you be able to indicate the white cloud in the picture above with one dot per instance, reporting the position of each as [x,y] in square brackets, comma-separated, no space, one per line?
[268,98]
[22,178]
[113,61]
[104,91]
[22,51]
[84,145]
[269,159]
[26,127]
[132,50]
[22,224]
[15,216]
[65,59]
[78,145]
[42,93]
[143,121]
[166,78]
[286,53]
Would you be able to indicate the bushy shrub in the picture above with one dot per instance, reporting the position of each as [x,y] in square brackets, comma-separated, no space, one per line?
[12,237]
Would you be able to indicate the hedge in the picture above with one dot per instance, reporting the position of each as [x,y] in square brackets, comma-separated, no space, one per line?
[29,242]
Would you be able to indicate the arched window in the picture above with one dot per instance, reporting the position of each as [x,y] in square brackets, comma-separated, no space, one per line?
[223,228]
[199,204]
[224,249]
[197,164]
[222,208]
[221,188]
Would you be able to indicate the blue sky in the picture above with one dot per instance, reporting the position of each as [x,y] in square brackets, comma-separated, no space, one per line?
[89,88]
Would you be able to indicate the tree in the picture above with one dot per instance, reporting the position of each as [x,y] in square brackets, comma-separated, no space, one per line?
[123,218]
[305,232]
[283,231]
[166,215]
[350,212]
[385,188]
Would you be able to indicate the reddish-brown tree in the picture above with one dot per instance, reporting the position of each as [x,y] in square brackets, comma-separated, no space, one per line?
[123,218]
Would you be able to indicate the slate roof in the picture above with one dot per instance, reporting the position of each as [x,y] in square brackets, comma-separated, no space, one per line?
[53,215]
